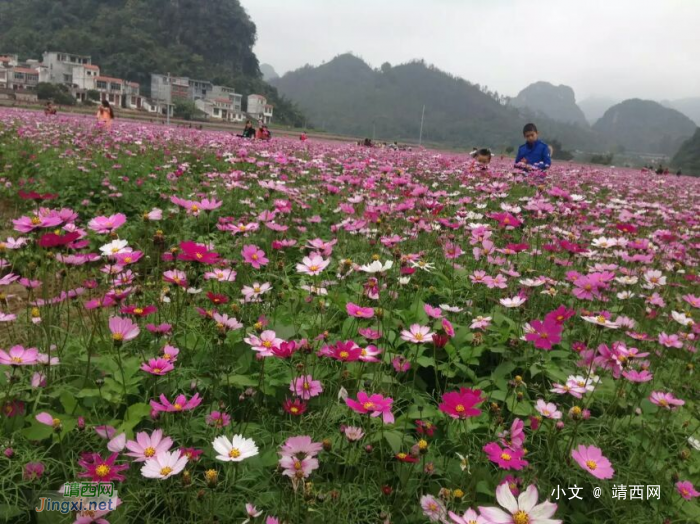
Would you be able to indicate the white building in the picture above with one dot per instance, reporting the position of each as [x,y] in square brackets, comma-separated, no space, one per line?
[8,61]
[219,109]
[60,66]
[259,109]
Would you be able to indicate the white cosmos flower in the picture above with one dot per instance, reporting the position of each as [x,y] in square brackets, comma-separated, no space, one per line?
[451,309]
[524,510]
[682,319]
[529,282]
[601,321]
[164,465]
[377,266]
[115,247]
[516,301]
[624,295]
[694,443]
[404,280]
[235,450]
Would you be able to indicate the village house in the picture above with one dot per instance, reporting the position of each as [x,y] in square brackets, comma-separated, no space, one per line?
[259,109]
[59,67]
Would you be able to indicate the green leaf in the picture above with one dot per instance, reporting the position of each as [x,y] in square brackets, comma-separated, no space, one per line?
[135,414]
[426,362]
[241,381]
[503,369]
[395,440]
[68,401]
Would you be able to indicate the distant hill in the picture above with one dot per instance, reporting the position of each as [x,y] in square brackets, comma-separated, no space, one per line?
[595,106]
[347,96]
[688,156]
[645,126]
[690,107]
[130,39]
[268,72]
[555,102]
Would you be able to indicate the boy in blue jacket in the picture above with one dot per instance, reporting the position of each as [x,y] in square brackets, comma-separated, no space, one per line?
[533,154]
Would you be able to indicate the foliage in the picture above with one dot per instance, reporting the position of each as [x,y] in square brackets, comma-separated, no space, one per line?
[643,126]
[57,93]
[184,109]
[93,95]
[605,159]
[346,96]
[559,152]
[272,261]
[688,156]
[133,38]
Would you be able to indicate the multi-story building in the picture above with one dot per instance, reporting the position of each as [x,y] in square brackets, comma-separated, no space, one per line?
[110,89]
[3,77]
[60,66]
[235,98]
[22,78]
[200,89]
[259,109]
[8,61]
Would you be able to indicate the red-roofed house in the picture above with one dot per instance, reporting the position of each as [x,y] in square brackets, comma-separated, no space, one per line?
[259,109]
[22,78]
[110,89]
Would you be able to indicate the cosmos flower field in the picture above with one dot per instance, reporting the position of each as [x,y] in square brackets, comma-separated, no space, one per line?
[287,332]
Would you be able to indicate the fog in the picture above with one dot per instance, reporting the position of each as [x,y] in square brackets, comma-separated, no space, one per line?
[618,49]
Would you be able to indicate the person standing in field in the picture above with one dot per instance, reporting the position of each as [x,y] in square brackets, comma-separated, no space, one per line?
[105,115]
[533,154]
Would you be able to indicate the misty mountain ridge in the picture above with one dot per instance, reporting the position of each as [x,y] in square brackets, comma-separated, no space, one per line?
[555,102]
[690,107]
[645,126]
[688,156]
[347,96]
[595,107]
[268,72]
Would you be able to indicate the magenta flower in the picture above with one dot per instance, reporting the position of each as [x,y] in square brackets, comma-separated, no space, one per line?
[108,224]
[123,329]
[48,419]
[98,469]
[218,419]
[181,403]
[665,400]
[545,334]
[359,312]
[157,366]
[460,404]
[670,341]
[193,252]
[146,447]
[637,376]
[33,471]
[343,351]
[375,405]
[19,356]
[306,387]
[506,458]
[27,224]
[254,256]
[686,490]
[592,460]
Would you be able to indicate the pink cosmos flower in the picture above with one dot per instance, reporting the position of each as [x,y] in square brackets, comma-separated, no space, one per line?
[515,437]
[300,445]
[218,419]
[470,517]
[417,334]
[108,224]
[264,344]
[33,471]
[686,490]
[146,447]
[176,276]
[306,387]
[400,364]
[480,322]
[460,404]
[359,312]
[160,329]
[224,322]
[665,400]
[254,256]
[591,459]
[524,510]
[312,265]
[48,420]
[433,508]
[123,329]
[375,404]
[157,366]
[221,275]
[370,354]
[670,341]
[28,224]
[638,376]
[369,333]
[447,326]
[181,403]
[343,351]
[548,410]
[433,312]
[506,458]
[19,356]
[545,334]
[192,252]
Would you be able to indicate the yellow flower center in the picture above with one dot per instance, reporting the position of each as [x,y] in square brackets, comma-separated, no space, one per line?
[505,456]
[294,410]
[36,220]
[117,336]
[254,257]
[199,256]
[418,336]
[177,407]
[422,444]
[601,319]
[297,465]
[306,386]
[267,344]
[368,405]
[256,289]
[17,360]
[591,464]
[313,268]
[115,250]
[195,208]
[344,355]
[128,260]
[521,518]
[663,402]
[138,311]
[459,408]
[56,422]
[102,470]
[211,475]
[157,370]
[166,471]
[685,492]
[149,452]
[402,456]
[234,453]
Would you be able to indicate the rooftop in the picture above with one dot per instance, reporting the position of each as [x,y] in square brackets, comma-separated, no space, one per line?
[110,79]
[25,70]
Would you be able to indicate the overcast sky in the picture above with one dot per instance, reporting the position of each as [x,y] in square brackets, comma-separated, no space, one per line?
[614,48]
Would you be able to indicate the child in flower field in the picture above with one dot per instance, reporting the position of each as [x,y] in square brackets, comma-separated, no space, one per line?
[286,332]
[533,154]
